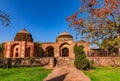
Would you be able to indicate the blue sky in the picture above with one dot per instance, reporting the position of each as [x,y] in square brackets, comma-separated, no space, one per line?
[44,19]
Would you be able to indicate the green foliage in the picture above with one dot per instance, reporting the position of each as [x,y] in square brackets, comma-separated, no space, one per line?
[104,74]
[1,49]
[81,62]
[23,74]
[111,42]
[111,45]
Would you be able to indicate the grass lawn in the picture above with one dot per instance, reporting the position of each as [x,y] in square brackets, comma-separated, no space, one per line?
[104,74]
[23,74]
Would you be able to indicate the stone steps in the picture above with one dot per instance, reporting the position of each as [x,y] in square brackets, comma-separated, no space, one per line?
[65,62]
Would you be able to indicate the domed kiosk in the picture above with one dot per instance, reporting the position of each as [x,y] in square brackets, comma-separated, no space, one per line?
[22,46]
[23,35]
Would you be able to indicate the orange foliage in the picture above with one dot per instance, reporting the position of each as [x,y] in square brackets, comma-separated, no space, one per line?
[110,1]
[101,21]
[92,2]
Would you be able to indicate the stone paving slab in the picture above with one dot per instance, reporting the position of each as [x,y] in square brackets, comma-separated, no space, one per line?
[65,73]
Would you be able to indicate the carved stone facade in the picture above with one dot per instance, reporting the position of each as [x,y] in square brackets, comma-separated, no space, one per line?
[63,47]
[19,49]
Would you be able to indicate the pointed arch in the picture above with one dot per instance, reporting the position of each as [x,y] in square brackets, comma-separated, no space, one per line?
[50,51]
[64,50]
[15,50]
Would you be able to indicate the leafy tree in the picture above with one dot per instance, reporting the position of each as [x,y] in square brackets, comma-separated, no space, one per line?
[115,42]
[1,49]
[97,20]
[81,62]
[111,45]
[4,18]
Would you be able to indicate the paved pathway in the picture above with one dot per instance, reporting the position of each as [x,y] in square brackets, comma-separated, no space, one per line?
[65,73]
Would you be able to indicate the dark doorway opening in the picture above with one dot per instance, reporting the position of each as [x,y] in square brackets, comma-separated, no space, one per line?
[50,51]
[16,54]
[65,52]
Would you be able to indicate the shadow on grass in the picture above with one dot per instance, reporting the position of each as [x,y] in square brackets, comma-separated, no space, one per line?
[59,78]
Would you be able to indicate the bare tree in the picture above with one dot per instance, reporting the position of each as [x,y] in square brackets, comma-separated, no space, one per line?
[4,18]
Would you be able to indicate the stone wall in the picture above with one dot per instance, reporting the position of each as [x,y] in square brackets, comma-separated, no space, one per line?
[105,61]
[51,62]
[47,62]
[103,53]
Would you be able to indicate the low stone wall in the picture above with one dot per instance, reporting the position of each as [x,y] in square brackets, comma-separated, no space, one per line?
[103,53]
[105,61]
[47,62]
[50,62]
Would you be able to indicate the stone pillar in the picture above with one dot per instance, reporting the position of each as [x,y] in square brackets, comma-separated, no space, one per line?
[7,50]
[56,52]
[23,49]
[32,50]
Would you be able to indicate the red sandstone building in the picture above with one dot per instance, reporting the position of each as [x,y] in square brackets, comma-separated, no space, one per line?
[23,46]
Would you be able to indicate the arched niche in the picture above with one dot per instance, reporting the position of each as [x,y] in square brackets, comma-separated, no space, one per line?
[50,51]
[64,50]
[15,50]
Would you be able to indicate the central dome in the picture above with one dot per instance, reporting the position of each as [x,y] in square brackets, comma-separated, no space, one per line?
[23,35]
[65,35]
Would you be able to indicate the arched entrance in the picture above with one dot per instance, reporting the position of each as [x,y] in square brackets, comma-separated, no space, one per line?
[50,51]
[15,50]
[65,52]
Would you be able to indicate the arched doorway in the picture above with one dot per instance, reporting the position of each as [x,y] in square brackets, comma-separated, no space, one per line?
[28,52]
[15,50]
[50,51]
[65,52]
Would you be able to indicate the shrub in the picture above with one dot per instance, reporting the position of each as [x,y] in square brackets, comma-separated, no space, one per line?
[81,62]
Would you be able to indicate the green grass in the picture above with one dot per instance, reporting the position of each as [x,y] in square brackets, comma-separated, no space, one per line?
[104,74]
[23,74]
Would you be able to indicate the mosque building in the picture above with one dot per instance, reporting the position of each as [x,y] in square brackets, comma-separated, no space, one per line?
[24,46]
